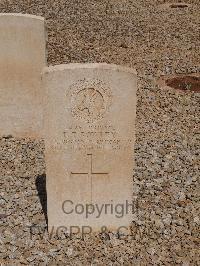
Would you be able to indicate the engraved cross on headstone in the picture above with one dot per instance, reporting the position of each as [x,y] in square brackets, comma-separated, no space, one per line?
[90,173]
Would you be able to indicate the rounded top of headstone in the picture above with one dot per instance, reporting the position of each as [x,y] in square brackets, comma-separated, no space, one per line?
[102,66]
[29,16]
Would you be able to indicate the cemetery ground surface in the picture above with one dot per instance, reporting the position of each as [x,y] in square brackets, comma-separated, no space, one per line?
[156,40]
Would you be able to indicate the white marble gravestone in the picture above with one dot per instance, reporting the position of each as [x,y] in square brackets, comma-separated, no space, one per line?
[89,139]
[22,58]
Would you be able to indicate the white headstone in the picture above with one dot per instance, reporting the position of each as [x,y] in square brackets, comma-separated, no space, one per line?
[22,58]
[89,138]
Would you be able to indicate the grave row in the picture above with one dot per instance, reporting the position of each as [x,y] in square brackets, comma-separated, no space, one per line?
[86,115]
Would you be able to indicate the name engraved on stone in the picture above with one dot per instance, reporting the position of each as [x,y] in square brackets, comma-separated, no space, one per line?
[77,137]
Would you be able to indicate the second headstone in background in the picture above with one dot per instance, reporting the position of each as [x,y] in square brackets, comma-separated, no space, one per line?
[22,58]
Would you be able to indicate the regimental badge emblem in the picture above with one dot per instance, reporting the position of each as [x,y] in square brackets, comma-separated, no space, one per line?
[90,100]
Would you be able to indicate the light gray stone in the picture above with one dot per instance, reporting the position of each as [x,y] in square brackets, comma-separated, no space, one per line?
[89,138]
[22,57]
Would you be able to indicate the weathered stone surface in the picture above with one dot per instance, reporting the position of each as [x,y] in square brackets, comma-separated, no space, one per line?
[156,42]
[22,57]
[89,133]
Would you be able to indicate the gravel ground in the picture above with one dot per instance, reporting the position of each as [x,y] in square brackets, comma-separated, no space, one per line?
[157,41]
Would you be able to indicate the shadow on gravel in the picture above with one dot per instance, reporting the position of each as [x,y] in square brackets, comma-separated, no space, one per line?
[42,193]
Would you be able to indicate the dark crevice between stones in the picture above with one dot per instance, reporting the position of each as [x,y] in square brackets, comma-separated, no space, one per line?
[184,83]
[7,136]
[179,5]
[42,193]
